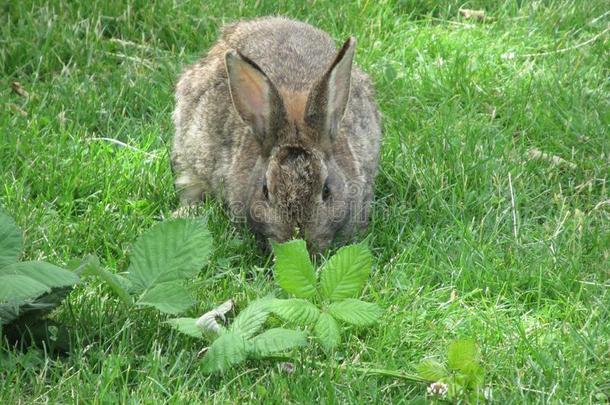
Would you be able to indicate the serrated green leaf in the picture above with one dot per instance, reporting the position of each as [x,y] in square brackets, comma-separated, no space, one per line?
[170,298]
[28,280]
[293,269]
[431,370]
[327,331]
[296,310]
[461,355]
[250,319]
[229,349]
[346,272]
[31,311]
[277,340]
[93,268]
[11,240]
[8,313]
[476,375]
[169,251]
[15,288]
[187,326]
[45,273]
[355,312]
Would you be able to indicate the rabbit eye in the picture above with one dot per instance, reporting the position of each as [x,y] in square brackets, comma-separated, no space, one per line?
[265,191]
[325,192]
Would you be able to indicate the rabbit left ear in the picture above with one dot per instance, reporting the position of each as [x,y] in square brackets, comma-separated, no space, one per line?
[255,98]
[328,98]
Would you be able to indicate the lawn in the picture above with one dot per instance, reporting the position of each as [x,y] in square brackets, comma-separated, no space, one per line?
[491,218]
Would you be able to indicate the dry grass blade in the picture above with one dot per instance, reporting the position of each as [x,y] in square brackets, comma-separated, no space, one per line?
[19,90]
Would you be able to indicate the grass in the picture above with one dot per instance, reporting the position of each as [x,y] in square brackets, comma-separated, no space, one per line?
[473,235]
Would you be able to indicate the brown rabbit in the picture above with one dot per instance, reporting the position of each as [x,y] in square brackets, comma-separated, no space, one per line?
[281,127]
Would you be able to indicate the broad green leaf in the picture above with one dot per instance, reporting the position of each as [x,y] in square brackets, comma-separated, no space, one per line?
[11,240]
[476,375]
[188,326]
[355,312]
[8,313]
[293,269]
[93,268]
[296,310]
[44,273]
[462,355]
[327,331]
[34,309]
[229,349]
[15,288]
[25,281]
[431,370]
[251,318]
[277,340]
[346,272]
[170,298]
[169,251]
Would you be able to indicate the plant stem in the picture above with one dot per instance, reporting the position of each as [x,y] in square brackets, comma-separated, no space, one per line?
[386,373]
[364,370]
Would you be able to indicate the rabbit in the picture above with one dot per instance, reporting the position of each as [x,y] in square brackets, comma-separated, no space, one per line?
[283,128]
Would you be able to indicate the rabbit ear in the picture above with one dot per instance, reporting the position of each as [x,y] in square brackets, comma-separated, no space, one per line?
[255,98]
[328,98]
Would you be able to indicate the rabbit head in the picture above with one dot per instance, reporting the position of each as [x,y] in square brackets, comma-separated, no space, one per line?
[296,187]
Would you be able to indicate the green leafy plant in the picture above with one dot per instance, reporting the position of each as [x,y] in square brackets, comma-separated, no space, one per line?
[461,375]
[28,290]
[317,305]
[240,340]
[321,305]
[161,260]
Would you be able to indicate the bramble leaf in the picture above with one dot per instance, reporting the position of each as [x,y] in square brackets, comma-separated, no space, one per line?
[327,331]
[170,298]
[25,280]
[169,251]
[15,288]
[431,370]
[11,240]
[250,320]
[277,340]
[345,273]
[296,310]
[293,268]
[462,355]
[229,349]
[187,326]
[114,281]
[355,312]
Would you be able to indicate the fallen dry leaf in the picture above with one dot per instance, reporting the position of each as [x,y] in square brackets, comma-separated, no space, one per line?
[554,160]
[18,89]
[207,322]
[473,14]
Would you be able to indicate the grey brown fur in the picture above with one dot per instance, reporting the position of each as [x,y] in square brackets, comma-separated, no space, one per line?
[269,123]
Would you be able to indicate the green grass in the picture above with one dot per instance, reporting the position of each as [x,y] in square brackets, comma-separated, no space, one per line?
[473,237]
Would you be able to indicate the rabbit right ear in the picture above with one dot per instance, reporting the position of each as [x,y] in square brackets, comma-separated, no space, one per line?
[255,98]
[329,96]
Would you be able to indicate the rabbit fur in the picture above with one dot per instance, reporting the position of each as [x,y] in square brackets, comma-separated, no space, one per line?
[283,128]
